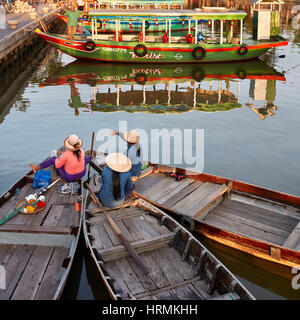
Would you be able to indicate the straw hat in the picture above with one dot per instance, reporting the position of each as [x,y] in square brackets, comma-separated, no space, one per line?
[131,136]
[118,162]
[73,142]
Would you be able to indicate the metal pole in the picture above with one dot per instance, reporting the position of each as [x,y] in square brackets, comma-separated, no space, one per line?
[241,32]
[221,33]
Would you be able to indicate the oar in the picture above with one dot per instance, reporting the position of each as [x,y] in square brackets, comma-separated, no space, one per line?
[91,155]
[38,193]
[42,22]
[125,242]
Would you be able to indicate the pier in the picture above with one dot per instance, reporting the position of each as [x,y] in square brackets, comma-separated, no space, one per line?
[15,43]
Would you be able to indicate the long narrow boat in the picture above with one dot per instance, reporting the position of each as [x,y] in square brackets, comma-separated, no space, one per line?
[180,267]
[197,46]
[37,249]
[255,220]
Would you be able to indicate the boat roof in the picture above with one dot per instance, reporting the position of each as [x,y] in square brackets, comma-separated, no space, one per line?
[140,14]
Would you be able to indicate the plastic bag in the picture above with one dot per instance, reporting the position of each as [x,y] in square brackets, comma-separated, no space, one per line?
[41,179]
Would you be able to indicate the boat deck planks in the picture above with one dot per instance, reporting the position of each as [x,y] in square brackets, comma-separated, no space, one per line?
[35,248]
[166,249]
[263,216]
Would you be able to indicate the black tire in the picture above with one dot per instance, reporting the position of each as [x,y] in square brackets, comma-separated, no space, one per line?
[242,74]
[90,45]
[85,16]
[187,223]
[137,49]
[147,24]
[242,50]
[199,53]
[198,74]
[140,78]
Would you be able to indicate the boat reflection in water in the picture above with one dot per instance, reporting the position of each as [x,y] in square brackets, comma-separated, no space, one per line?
[169,88]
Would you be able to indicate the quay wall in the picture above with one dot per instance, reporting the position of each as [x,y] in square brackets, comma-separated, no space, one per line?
[19,43]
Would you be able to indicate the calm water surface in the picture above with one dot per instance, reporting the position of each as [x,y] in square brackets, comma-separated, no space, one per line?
[251,128]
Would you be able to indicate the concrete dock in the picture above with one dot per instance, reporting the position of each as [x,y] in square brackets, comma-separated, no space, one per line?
[15,43]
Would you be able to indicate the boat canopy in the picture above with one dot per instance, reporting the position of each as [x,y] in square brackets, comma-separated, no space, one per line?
[152,14]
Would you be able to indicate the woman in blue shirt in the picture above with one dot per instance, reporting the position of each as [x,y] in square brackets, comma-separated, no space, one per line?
[116,181]
[134,151]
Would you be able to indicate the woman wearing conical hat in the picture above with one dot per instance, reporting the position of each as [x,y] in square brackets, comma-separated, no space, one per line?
[71,165]
[116,181]
[134,151]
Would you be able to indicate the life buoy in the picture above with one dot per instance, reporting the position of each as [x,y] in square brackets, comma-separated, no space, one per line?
[196,52]
[242,74]
[147,24]
[90,45]
[187,223]
[242,50]
[140,78]
[140,50]
[198,74]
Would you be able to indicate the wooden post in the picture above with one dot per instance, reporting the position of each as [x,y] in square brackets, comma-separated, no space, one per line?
[189,31]
[170,30]
[117,30]
[241,32]
[144,31]
[196,31]
[212,29]
[221,33]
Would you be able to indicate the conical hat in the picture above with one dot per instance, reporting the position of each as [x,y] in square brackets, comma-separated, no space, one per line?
[73,142]
[118,162]
[131,136]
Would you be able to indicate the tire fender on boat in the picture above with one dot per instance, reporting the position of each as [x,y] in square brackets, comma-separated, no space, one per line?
[199,50]
[242,50]
[90,45]
[198,74]
[241,73]
[187,223]
[137,49]
[140,78]
[147,24]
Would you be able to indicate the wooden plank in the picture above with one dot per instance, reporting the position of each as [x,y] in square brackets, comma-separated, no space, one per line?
[104,238]
[162,229]
[201,287]
[54,214]
[53,274]
[294,238]
[260,215]
[183,267]
[34,229]
[116,252]
[149,182]
[182,194]
[232,225]
[118,282]
[33,274]
[129,277]
[227,296]
[42,239]
[187,292]
[147,283]
[167,266]
[133,229]
[14,268]
[199,199]
[156,275]
[145,228]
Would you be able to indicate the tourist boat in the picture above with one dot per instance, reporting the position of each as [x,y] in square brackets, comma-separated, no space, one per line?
[37,249]
[158,259]
[167,88]
[196,46]
[109,25]
[255,220]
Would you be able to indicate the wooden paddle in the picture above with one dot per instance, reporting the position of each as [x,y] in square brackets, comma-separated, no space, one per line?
[125,242]
[91,155]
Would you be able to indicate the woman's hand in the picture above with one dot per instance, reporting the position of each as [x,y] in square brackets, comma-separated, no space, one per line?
[59,152]
[115,133]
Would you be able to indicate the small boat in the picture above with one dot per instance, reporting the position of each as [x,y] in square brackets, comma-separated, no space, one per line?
[255,220]
[178,266]
[37,249]
[202,44]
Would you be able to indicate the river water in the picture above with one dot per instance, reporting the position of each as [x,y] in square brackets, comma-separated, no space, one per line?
[249,114]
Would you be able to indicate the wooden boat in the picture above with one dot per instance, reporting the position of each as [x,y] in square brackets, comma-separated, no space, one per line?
[255,220]
[37,249]
[194,47]
[180,268]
